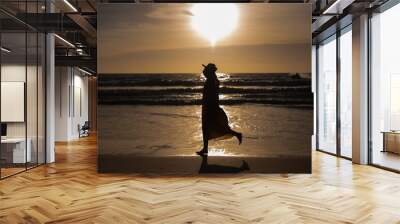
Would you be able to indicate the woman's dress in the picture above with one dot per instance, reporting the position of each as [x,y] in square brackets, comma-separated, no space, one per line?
[214,120]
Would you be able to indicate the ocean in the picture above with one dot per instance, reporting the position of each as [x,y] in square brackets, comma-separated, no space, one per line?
[292,90]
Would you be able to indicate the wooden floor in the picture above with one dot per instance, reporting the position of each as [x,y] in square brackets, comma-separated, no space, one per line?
[5,172]
[71,191]
[387,159]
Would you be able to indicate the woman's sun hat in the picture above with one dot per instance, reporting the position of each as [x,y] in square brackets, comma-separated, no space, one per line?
[210,66]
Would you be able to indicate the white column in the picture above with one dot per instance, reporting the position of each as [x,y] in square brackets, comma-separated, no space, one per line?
[360,90]
[50,92]
[50,99]
[314,91]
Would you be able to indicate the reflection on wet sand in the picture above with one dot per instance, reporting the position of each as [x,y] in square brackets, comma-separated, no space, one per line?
[176,131]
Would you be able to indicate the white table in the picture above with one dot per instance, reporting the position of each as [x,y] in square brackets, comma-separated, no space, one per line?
[18,147]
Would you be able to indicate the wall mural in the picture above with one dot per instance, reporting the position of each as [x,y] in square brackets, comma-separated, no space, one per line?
[204,88]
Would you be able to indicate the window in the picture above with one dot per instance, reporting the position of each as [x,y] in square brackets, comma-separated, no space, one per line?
[346,92]
[326,91]
[335,74]
[385,89]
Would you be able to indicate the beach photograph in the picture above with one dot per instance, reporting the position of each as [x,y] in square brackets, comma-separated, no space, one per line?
[204,88]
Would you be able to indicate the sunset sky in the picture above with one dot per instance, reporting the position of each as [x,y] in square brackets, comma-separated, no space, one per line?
[160,38]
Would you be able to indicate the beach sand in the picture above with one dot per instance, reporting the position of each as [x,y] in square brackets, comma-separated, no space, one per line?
[273,137]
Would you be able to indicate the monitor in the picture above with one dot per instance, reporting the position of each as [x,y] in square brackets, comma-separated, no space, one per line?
[3,129]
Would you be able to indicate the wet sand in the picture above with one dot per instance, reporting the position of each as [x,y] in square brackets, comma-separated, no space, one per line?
[176,130]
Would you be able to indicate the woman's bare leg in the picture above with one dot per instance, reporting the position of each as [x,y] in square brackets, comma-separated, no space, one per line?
[205,145]
[238,135]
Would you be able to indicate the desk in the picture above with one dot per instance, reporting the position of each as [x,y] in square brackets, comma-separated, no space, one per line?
[391,141]
[15,148]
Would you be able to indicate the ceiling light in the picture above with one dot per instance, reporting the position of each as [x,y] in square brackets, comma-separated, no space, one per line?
[79,51]
[84,71]
[70,5]
[5,50]
[65,41]
[337,7]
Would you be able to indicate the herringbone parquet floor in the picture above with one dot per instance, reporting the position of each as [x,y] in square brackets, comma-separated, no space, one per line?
[71,191]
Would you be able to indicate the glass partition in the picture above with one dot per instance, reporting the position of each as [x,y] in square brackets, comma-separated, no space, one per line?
[14,153]
[385,89]
[326,104]
[22,88]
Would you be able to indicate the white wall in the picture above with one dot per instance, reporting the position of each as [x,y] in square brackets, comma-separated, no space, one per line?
[80,110]
[62,82]
[13,101]
[17,73]
[33,126]
[71,102]
[13,72]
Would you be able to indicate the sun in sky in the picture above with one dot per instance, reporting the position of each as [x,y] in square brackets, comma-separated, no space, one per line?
[214,21]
